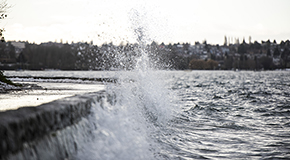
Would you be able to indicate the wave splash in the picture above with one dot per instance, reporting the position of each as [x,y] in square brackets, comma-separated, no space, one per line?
[136,107]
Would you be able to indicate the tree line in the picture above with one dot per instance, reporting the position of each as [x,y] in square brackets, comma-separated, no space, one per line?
[85,56]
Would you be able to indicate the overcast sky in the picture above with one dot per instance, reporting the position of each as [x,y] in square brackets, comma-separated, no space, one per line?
[166,20]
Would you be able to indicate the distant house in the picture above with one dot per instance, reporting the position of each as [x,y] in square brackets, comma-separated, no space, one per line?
[225,50]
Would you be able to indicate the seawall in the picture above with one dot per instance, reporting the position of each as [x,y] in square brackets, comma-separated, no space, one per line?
[54,130]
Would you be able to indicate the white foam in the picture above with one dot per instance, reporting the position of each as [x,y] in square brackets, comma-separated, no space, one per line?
[136,106]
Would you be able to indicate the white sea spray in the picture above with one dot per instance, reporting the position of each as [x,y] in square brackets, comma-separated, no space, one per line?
[134,107]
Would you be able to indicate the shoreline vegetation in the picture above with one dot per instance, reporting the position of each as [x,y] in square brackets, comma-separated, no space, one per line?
[5,80]
[7,85]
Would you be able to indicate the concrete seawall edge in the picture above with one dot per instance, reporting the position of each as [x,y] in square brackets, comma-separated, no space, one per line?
[49,131]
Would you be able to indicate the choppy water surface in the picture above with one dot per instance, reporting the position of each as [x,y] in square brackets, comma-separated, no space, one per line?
[194,115]
[189,115]
[230,115]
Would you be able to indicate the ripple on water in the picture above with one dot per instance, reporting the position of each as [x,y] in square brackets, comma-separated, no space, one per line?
[235,115]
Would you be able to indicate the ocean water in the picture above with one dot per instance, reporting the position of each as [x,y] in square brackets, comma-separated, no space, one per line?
[193,115]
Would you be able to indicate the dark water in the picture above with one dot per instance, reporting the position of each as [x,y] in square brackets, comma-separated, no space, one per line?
[229,115]
[190,115]
[194,115]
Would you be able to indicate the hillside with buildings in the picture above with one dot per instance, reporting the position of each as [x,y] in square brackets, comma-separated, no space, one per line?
[266,55]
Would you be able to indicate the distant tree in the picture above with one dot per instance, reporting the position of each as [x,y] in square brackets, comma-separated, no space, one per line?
[228,61]
[282,44]
[266,62]
[225,41]
[287,42]
[269,53]
[169,46]
[203,65]
[245,57]
[256,63]
[217,46]
[244,42]
[212,56]
[242,48]
[268,43]
[21,58]
[250,64]
[197,64]
[206,46]
[154,44]
[285,54]
[11,51]
[211,64]
[256,45]
[276,52]
[186,46]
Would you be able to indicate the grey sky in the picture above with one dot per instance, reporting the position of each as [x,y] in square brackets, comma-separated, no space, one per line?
[169,21]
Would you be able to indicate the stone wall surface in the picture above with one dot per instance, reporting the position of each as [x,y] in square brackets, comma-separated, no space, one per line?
[49,131]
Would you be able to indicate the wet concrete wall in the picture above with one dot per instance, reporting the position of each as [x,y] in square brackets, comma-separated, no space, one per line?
[50,131]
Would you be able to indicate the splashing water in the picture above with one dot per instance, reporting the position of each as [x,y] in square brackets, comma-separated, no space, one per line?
[134,108]
[145,89]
